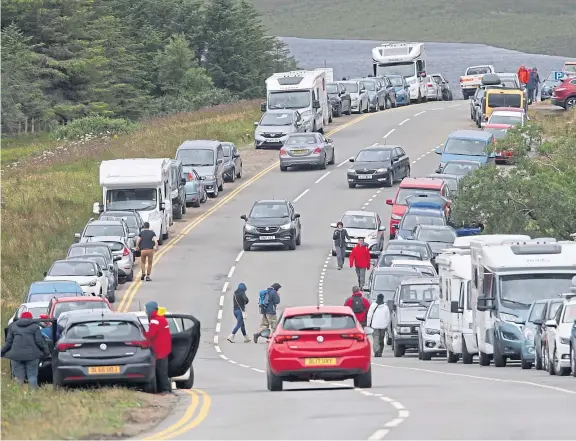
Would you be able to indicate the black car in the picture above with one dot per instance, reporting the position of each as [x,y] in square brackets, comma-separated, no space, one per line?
[438,237]
[339,99]
[390,89]
[132,219]
[103,248]
[379,164]
[476,103]
[106,347]
[444,86]
[272,222]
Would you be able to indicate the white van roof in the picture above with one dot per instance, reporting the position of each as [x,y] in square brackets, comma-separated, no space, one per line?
[459,264]
[464,242]
[295,80]
[397,52]
[530,255]
[137,172]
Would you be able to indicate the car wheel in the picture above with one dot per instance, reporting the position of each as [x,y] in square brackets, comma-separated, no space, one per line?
[538,361]
[333,158]
[214,194]
[349,111]
[239,172]
[573,361]
[351,185]
[197,203]
[274,383]
[184,208]
[246,246]
[399,350]
[364,381]
[394,105]
[549,363]
[426,356]
[390,180]
[283,168]
[130,277]
[187,384]
[467,357]
[560,371]
[57,380]
[150,386]
[408,170]
[178,213]
[322,166]
[221,186]
[292,244]
[161,238]
[451,357]
[233,175]
[525,364]
[299,239]
[166,235]
[420,349]
[499,359]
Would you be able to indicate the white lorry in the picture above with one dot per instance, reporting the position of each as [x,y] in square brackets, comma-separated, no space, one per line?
[301,90]
[472,79]
[456,317]
[404,59]
[506,279]
[138,184]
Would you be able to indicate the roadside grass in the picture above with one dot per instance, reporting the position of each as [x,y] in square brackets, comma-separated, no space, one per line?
[20,148]
[529,26]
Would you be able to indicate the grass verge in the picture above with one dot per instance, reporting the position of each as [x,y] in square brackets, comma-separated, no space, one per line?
[526,26]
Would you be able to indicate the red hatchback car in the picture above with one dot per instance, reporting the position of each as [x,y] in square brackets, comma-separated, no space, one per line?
[564,95]
[318,343]
[499,131]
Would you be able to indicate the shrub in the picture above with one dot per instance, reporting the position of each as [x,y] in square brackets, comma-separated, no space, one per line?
[93,126]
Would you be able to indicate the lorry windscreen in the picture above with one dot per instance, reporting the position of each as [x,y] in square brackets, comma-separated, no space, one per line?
[131,199]
[405,70]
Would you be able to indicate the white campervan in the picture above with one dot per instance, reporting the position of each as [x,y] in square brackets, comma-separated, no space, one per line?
[301,90]
[456,316]
[506,279]
[407,60]
[139,184]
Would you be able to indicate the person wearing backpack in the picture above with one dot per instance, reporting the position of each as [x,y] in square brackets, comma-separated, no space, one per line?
[360,260]
[267,302]
[340,237]
[359,305]
[379,321]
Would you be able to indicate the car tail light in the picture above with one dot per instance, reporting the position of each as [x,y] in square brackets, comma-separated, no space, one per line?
[282,151]
[144,344]
[126,252]
[284,338]
[318,150]
[190,176]
[358,336]
[63,347]
[429,85]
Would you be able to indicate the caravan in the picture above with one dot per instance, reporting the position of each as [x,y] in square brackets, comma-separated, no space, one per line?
[506,279]
[404,59]
[301,90]
[143,185]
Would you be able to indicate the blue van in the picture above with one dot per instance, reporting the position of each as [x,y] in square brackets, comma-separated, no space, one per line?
[44,290]
[469,145]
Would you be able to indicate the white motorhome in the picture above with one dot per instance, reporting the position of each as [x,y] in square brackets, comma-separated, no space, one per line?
[329,73]
[506,279]
[407,60]
[301,90]
[456,316]
[138,184]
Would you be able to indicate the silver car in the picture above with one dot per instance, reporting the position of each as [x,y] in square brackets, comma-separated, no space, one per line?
[107,269]
[363,225]
[377,95]
[429,343]
[120,249]
[276,125]
[196,193]
[105,228]
[358,95]
[307,149]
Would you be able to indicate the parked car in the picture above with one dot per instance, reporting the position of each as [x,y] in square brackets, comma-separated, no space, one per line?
[207,158]
[390,255]
[564,95]
[276,125]
[331,345]
[100,230]
[339,99]
[177,189]
[420,213]
[364,225]
[508,115]
[473,145]
[108,271]
[195,191]
[358,95]
[309,149]
[460,167]
[401,88]
[102,248]
[438,237]
[387,84]
[88,274]
[476,104]
[272,222]
[499,131]
[444,85]
[422,248]
[132,218]
[379,164]
[450,180]
[377,95]
[62,305]
[557,352]
[429,341]
[35,308]
[44,290]
[424,267]
[548,86]
[434,92]
[232,162]
[509,80]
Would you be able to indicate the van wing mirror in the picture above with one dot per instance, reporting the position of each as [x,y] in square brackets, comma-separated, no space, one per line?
[484,303]
[263,107]
[551,324]
[316,104]
[455,307]
[420,318]
[97,208]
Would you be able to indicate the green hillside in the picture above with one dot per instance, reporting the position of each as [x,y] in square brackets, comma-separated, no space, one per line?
[533,26]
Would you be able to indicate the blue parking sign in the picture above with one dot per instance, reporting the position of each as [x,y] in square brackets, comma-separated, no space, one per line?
[558,76]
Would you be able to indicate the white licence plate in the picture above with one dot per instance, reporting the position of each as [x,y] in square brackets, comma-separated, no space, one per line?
[267,237]
[272,140]
[364,176]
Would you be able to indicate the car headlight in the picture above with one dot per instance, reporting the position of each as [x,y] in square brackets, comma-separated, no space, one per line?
[351,170]
[528,334]
[306,114]
[249,227]
[381,170]
[431,331]
[373,235]
[564,340]
[285,226]
[209,177]
[508,317]
[396,217]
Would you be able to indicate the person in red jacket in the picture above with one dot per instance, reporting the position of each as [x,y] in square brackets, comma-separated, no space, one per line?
[159,337]
[523,75]
[360,259]
[359,305]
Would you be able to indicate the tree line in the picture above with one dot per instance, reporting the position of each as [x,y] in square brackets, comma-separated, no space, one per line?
[67,59]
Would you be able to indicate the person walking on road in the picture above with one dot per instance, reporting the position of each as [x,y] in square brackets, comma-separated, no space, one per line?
[239,302]
[523,75]
[268,301]
[358,304]
[159,337]
[340,237]
[379,321]
[24,347]
[360,260]
[147,243]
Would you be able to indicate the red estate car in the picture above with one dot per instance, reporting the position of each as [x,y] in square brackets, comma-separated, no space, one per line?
[319,342]
[499,131]
[564,95]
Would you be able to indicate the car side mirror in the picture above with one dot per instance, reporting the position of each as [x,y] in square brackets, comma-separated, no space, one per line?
[438,150]
[519,321]
[100,273]
[131,235]
[111,267]
[183,181]
[382,228]
[333,225]
[116,258]
[538,322]
[236,155]
[255,123]
[362,90]
[551,324]
[263,107]
[316,104]
[296,215]
[368,330]
[420,318]
[219,161]
[423,74]
[77,237]
[351,159]
[329,140]
[243,217]
[366,288]
[389,202]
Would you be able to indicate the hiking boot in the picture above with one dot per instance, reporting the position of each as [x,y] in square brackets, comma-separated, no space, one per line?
[230,338]
[142,276]
[256,338]
[247,339]
[148,279]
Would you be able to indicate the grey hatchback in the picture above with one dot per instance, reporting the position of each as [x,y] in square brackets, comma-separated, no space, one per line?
[232,162]
[311,149]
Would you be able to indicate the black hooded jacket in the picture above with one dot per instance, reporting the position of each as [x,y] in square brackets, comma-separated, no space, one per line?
[24,341]
[240,300]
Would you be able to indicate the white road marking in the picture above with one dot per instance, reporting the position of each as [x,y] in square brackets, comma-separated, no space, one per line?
[404,413]
[403,122]
[388,400]
[455,105]
[375,144]
[243,365]
[397,405]
[343,162]
[219,314]
[257,370]
[232,361]
[322,177]
[414,162]
[231,271]
[389,133]
[221,301]
[215,339]
[218,327]
[240,254]
[218,349]
[379,434]
[420,113]
[395,422]
[223,357]
[301,194]
[225,287]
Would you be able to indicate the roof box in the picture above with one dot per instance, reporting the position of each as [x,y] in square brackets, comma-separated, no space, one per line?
[491,80]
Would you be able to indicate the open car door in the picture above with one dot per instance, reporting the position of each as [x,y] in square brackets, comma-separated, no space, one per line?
[185,344]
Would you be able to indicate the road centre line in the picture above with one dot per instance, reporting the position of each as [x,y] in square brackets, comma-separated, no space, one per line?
[420,113]
[342,163]
[389,133]
[322,177]
[301,195]
[403,122]
[225,287]
[240,254]
[231,272]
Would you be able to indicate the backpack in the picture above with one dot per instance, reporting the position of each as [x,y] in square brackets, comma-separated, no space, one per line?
[264,299]
[357,305]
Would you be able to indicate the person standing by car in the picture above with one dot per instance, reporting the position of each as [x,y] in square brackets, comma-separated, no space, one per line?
[269,299]
[24,347]
[340,237]
[159,337]
[523,75]
[360,260]
[147,243]
[239,302]
[379,320]
[358,304]
[534,74]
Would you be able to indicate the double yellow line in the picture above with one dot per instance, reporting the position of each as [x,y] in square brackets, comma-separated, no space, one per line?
[196,412]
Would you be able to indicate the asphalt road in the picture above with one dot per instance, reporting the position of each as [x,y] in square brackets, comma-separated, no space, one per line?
[410,399]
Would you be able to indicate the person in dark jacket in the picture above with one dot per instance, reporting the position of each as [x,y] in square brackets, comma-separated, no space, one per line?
[239,302]
[340,237]
[268,310]
[359,305]
[535,78]
[159,337]
[24,347]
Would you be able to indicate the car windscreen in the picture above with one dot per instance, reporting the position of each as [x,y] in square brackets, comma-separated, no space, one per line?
[459,168]
[419,293]
[104,330]
[227,150]
[498,133]
[301,139]
[319,322]
[351,87]
[277,119]
[373,156]
[467,147]
[434,312]
[506,119]
[386,259]
[142,199]
[496,99]
[389,282]
[196,157]
[537,311]
[404,193]
[269,210]
[44,297]
[78,251]
[369,85]
[331,89]
[552,309]
[406,245]
[409,221]
[37,310]
[116,246]
[396,81]
[73,269]
[425,270]
[444,235]
[363,222]
[52,287]
[130,220]
[78,306]
[521,290]
[103,230]
[478,70]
